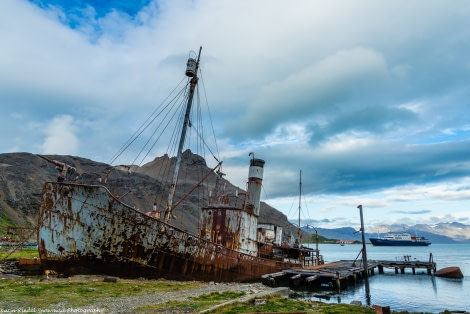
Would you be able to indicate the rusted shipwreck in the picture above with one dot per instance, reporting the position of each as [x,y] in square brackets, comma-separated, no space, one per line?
[84,228]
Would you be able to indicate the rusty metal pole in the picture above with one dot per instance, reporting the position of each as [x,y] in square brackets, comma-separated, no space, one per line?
[299,236]
[364,252]
[186,122]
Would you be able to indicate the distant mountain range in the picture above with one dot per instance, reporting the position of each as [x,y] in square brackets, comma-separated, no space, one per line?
[440,233]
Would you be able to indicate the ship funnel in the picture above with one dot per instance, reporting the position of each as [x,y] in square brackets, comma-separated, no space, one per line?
[191,67]
[255,178]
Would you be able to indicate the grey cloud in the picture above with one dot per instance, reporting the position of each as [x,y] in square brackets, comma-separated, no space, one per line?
[414,212]
[368,168]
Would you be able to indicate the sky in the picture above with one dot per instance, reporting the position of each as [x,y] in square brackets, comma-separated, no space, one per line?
[369,99]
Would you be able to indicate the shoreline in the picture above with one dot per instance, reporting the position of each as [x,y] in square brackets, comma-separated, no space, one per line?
[148,296]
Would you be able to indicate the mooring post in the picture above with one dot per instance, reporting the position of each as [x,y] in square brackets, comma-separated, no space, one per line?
[364,252]
[338,283]
[364,258]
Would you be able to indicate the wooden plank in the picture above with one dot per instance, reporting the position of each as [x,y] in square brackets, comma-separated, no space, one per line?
[273,275]
[312,278]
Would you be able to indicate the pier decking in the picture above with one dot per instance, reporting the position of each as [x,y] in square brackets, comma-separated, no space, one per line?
[342,272]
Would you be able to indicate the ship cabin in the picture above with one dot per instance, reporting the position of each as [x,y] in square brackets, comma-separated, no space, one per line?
[231,220]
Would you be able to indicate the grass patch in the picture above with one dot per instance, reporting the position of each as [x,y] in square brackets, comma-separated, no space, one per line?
[25,252]
[34,293]
[5,221]
[195,303]
[31,292]
[274,304]
[284,305]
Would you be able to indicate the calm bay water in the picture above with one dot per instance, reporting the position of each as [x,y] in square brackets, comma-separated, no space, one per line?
[419,292]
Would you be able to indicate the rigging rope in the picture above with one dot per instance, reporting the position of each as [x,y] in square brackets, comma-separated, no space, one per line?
[156,140]
[142,128]
[171,109]
[210,117]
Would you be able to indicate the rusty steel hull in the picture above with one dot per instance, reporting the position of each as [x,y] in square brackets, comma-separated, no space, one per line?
[85,229]
[450,272]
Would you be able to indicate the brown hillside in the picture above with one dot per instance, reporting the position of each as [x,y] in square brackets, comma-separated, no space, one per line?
[23,174]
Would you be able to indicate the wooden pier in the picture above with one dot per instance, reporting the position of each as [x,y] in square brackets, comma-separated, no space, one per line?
[341,273]
[406,263]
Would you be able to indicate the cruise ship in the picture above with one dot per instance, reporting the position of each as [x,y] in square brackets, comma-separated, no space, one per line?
[400,239]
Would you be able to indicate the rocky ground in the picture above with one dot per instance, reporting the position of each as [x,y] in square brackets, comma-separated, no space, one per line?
[129,304]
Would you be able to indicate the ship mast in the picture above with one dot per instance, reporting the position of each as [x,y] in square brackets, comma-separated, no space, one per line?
[191,71]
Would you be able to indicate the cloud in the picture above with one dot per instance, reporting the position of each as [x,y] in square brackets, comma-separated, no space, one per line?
[314,92]
[370,100]
[416,212]
[60,138]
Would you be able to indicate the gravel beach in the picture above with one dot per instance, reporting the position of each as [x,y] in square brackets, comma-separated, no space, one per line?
[129,304]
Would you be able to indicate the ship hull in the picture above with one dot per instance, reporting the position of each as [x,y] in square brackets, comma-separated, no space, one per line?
[85,229]
[450,272]
[385,242]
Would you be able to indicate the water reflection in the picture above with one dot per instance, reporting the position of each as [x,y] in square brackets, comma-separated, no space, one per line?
[434,286]
[366,283]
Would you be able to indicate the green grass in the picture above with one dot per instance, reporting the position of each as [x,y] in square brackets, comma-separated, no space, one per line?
[194,304]
[5,221]
[274,303]
[321,239]
[20,253]
[284,305]
[34,293]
